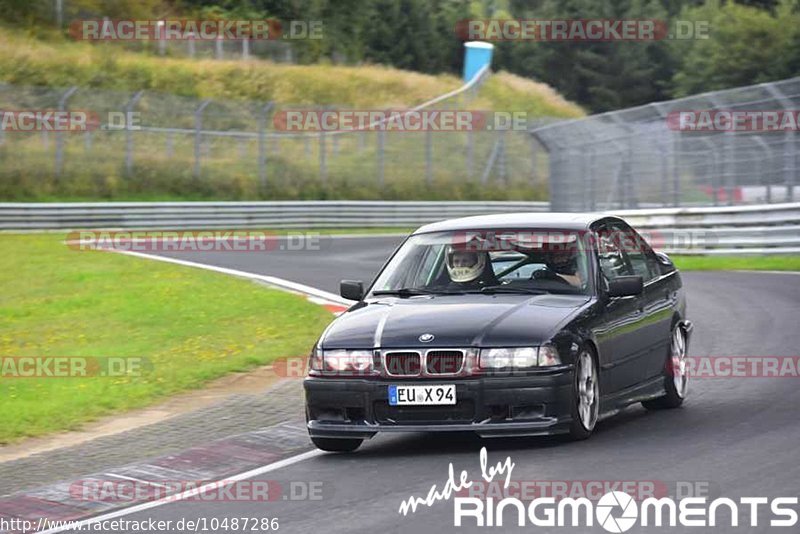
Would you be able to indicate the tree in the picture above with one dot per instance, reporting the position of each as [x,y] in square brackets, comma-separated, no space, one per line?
[746,46]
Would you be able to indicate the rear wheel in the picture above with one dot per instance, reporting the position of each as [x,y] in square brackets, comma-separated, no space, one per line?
[585,396]
[337,445]
[676,376]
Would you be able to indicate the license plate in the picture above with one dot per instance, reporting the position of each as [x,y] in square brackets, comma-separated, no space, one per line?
[422,395]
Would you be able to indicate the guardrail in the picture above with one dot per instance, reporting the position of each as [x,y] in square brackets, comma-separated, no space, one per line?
[286,214]
[762,229]
[756,229]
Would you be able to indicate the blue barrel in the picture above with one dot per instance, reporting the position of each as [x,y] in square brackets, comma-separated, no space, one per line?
[477,54]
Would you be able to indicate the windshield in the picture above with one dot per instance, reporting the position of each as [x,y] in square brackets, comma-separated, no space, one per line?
[488,261]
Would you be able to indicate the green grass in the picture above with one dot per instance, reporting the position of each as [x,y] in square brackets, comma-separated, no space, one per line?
[191,326]
[737,263]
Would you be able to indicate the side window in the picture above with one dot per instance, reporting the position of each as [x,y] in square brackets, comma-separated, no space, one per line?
[638,252]
[613,262]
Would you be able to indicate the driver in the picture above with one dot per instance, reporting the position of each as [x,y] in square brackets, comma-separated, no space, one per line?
[469,267]
[564,263]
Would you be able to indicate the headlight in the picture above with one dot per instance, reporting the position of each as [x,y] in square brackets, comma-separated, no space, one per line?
[340,361]
[548,355]
[519,358]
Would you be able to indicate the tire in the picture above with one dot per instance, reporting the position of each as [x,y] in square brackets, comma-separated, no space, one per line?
[676,379]
[585,398]
[336,444]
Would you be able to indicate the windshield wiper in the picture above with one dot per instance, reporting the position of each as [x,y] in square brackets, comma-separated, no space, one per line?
[413,291]
[512,289]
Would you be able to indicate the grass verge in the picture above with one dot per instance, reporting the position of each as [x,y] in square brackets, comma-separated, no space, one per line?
[737,263]
[189,326]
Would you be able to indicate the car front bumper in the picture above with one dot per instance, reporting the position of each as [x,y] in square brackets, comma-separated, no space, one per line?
[490,406]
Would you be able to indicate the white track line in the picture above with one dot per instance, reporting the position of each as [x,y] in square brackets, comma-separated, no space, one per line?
[184,495]
[272,280]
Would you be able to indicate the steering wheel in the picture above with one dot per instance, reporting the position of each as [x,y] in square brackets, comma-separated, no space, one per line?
[547,274]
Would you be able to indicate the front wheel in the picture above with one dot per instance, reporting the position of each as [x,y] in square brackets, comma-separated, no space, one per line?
[676,376]
[585,404]
[337,445]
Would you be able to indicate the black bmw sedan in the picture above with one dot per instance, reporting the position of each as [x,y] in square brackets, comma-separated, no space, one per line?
[505,325]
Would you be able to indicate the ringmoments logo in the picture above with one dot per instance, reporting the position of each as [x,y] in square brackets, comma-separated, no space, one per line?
[615,511]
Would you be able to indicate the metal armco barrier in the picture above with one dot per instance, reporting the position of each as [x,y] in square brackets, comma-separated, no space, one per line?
[764,229]
[281,214]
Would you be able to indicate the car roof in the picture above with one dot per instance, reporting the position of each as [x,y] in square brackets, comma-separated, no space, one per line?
[547,220]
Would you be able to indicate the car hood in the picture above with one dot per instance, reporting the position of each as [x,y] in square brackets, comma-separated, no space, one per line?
[453,320]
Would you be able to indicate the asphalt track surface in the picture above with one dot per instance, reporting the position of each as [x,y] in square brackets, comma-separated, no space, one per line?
[739,437]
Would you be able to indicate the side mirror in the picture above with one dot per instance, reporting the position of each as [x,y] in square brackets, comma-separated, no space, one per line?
[351,289]
[625,286]
[666,263]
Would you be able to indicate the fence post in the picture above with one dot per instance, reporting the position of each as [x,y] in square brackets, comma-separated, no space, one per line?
[262,145]
[381,156]
[730,176]
[60,14]
[323,163]
[628,194]
[245,48]
[767,154]
[470,159]
[129,133]
[62,106]
[789,144]
[428,157]
[663,152]
[592,177]
[198,140]
[162,41]
[715,170]
[664,171]
[501,163]
[487,171]
[218,51]
[676,178]
[190,45]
